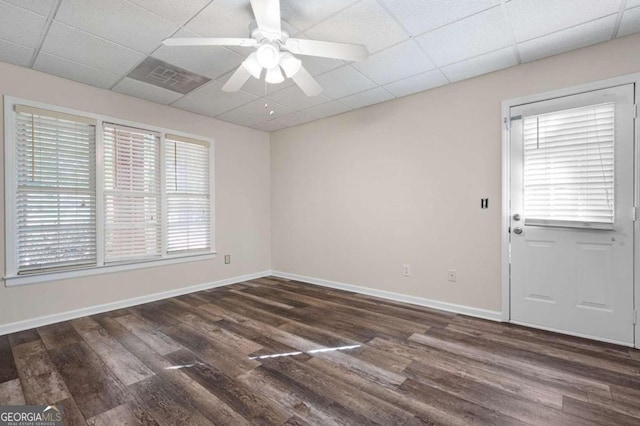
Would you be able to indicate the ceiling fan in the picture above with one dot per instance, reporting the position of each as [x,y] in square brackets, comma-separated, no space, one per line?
[274,51]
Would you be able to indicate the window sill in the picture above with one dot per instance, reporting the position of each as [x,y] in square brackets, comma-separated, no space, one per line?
[19,280]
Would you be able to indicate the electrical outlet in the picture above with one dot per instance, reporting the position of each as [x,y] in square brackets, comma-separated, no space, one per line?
[406,270]
[451,276]
[227,259]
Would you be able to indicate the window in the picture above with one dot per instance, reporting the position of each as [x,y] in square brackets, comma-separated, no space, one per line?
[132,219]
[55,196]
[188,216]
[83,200]
[569,167]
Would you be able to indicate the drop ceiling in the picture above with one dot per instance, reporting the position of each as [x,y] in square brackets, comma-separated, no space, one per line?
[415,45]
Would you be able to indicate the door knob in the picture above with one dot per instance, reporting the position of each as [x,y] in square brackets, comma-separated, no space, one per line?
[517,230]
[516,217]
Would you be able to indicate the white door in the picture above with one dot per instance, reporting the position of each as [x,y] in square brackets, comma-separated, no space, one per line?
[572,177]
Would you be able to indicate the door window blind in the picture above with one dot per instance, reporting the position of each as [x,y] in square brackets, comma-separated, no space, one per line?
[132,195]
[56,191]
[569,167]
[188,203]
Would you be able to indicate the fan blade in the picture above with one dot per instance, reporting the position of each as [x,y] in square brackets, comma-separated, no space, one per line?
[267,13]
[237,80]
[327,49]
[306,82]
[210,41]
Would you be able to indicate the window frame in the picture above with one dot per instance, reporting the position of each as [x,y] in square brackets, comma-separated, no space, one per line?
[12,278]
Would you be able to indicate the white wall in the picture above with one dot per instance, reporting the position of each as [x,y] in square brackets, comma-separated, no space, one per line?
[242,201]
[357,195]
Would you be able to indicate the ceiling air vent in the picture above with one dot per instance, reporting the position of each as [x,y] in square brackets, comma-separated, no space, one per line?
[167,76]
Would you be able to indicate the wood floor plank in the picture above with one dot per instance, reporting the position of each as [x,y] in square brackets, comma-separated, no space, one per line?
[166,406]
[122,363]
[366,405]
[210,350]
[71,413]
[203,400]
[277,351]
[93,386]
[291,397]
[8,369]
[501,401]
[11,393]
[59,335]
[426,412]
[25,336]
[597,413]
[451,343]
[234,393]
[41,381]
[149,334]
[130,413]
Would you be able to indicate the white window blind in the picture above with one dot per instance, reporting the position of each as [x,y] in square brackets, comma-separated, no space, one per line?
[569,167]
[132,195]
[55,196]
[188,203]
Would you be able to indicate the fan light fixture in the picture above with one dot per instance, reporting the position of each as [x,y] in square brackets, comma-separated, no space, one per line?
[290,64]
[252,65]
[268,56]
[274,76]
[275,51]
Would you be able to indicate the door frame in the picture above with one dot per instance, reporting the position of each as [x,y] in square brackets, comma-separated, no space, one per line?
[506,178]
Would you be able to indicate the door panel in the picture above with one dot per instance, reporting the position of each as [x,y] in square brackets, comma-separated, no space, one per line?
[571,207]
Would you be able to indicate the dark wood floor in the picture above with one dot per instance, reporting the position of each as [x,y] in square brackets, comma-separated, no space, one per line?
[252,353]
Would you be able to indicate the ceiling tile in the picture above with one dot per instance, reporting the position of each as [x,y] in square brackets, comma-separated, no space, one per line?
[366,98]
[304,14]
[15,54]
[294,98]
[535,18]
[473,36]
[269,126]
[240,118]
[365,23]
[223,18]
[20,26]
[118,21]
[490,62]
[326,110]
[74,71]
[419,16]
[212,96]
[630,23]
[294,119]
[76,45]
[41,7]
[178,11]
[343,82]
[573,38]
[139,89]
[198,106]
[257,109]
[417,83]
[395,63]
[209,61]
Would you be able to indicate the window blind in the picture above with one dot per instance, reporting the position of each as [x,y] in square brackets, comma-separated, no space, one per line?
[56,191]
[188,203]
[569,167]
[132,195]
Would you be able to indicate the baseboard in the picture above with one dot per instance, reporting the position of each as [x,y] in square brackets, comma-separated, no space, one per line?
[443,306]
[120,304]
